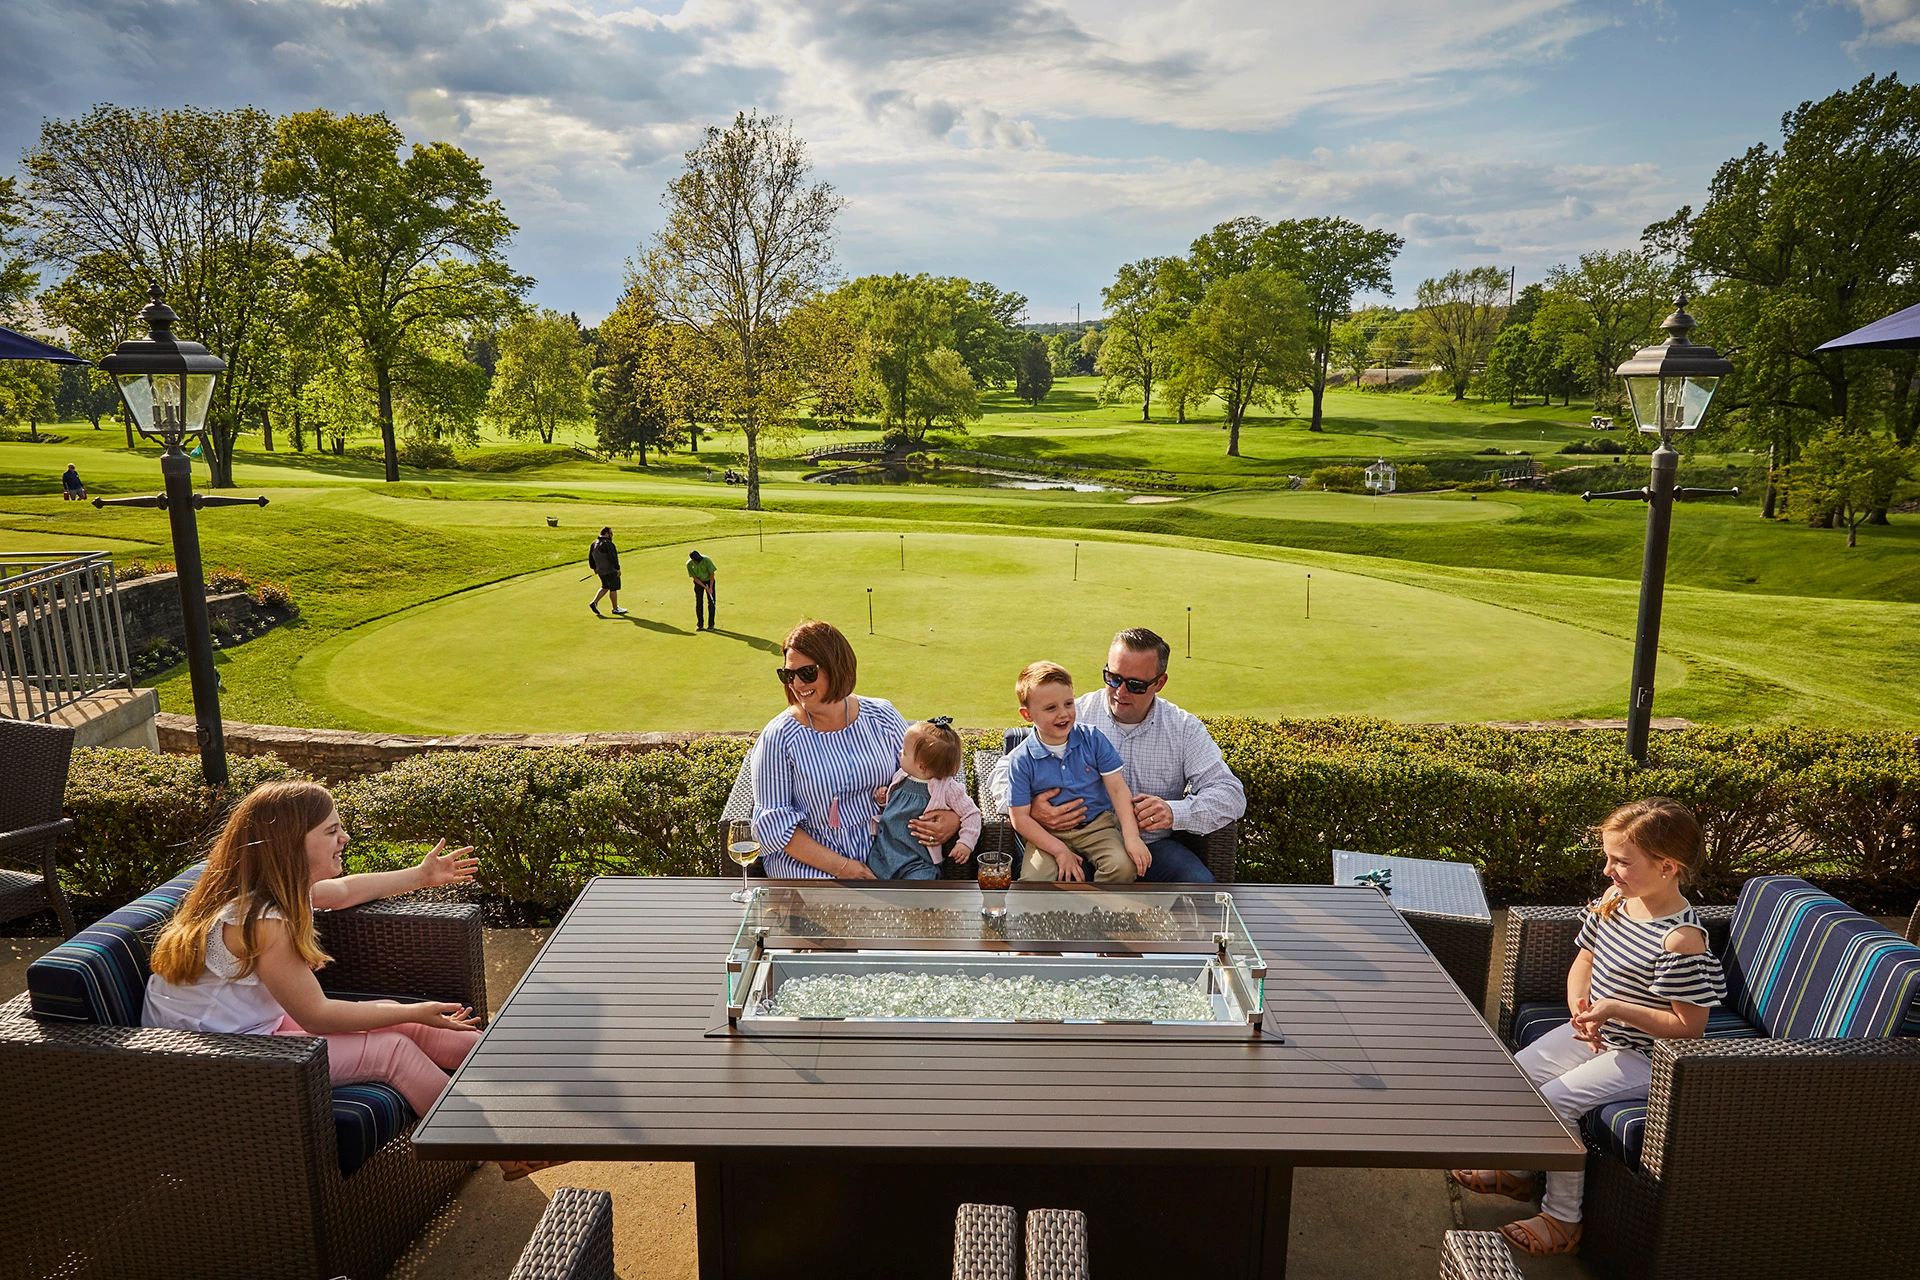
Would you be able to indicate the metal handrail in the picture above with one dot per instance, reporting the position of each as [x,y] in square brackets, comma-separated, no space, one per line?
[62,637]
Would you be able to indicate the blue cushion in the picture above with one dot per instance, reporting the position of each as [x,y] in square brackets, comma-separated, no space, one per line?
[366,1117]
[1617,1129]
[1803,964]
[1531,1021]
[100,974]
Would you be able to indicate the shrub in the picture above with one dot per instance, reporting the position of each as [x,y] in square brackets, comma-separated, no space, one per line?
[134,570]
[1478,486]
[140,818]
[1413,477]
[271,595]
[426,453]
[1339,479]
[517,457]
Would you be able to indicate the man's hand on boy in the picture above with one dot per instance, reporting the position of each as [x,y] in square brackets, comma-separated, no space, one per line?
[1062,818]
[1142,856]
[1152,813]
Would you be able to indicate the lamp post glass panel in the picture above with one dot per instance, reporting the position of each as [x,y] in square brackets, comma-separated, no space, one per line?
[1669,386]
[167,386]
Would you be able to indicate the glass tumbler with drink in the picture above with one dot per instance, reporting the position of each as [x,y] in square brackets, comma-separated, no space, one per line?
[996,877]
[743,846]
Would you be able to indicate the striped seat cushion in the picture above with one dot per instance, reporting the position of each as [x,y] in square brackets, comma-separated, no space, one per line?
[1804,965]
[99,975]
[366,1117]
[1617,1129]
[1531,1021]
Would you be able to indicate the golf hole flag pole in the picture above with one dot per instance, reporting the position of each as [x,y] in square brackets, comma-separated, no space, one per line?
[1669,386]
[167,385]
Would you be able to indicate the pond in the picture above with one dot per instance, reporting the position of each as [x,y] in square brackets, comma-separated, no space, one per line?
[956,477]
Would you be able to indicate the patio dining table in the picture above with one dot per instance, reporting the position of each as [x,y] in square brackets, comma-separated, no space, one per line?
[846,1156]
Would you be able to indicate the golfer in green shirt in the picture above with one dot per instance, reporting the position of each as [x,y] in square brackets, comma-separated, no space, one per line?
[704,573]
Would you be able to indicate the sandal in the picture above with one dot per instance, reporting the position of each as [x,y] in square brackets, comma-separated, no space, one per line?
[1493,1182]
[514,1170]
[1543,1235]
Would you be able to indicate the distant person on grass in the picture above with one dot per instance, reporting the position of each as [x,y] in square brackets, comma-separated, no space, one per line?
[72,489]
[1181,786]
[604,559]
[706,586]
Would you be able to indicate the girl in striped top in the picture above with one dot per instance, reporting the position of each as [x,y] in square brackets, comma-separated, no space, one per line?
[1643,973]
[817,765]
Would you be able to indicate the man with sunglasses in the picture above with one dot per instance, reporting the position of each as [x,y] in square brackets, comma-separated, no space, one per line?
[1182,788]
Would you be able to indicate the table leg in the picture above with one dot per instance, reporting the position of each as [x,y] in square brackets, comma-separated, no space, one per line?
[1274,1224]
[709,1207]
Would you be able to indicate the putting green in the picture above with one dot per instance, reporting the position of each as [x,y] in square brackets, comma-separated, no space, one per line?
[1351,508]
[950,632]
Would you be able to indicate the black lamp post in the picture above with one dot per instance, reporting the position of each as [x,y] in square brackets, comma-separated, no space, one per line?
[1669,386]
[167,386]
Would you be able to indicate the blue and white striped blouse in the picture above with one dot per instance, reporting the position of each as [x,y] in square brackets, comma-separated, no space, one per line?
[822,783]
[1631,963]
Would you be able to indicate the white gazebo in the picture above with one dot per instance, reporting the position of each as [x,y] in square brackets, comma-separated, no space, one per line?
[1381,477]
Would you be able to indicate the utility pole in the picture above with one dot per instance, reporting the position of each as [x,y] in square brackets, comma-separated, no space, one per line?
[1513,274]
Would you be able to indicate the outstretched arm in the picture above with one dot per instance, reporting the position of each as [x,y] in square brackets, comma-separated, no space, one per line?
[434,869]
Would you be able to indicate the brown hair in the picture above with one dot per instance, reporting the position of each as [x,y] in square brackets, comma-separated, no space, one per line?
[259,861]
[935,746]
[1141,640]
[1035,674]
[1658,827]
[823,642]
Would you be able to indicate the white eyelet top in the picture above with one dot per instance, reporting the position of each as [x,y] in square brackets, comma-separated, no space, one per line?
[218,1001]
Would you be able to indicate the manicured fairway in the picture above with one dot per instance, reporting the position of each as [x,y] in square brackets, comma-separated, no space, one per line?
[950,632]
[1350,508]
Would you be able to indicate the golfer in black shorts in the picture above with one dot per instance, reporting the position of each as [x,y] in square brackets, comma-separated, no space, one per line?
[604,559]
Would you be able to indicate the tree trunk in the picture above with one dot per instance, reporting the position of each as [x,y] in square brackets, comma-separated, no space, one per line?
[266,431]
[127,419]
[1233,429]
[383,386]
[297,429]
[1877,516]
[693,437]
[753,463]
[1767,503]
[219,453]
[1853,522]
[1319,397]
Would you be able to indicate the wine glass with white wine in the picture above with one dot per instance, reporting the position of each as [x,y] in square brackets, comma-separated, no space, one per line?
[743,846]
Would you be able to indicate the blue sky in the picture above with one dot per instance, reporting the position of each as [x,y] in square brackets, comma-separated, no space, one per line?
[1034,143]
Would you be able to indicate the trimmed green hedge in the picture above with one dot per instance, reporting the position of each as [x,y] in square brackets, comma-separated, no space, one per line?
[1841,808]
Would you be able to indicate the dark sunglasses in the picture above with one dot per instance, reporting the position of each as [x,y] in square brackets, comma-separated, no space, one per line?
[1133,686]
[805,675]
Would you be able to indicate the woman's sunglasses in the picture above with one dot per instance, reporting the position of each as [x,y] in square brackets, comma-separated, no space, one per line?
[1133,686]
[805,675]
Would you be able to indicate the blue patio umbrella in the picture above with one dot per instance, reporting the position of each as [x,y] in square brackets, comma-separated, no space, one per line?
[1897,332]
[18,346]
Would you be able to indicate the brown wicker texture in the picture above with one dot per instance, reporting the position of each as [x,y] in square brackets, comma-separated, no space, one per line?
[984,1240]
[574,1240]
[739,808]
[174,1154]
[404,947]
[1056,1244]
[1462,945]
[34,758]
[1761,1158]
[1540,950]
[1913,925]
[1221,852]
[1477,1255]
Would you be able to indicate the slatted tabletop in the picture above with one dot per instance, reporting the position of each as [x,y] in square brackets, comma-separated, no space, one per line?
[602,1053]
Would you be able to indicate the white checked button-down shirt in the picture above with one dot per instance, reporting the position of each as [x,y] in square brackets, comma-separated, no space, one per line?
[1170,754]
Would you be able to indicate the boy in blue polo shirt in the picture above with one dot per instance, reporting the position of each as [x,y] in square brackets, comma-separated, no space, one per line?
[1086,767]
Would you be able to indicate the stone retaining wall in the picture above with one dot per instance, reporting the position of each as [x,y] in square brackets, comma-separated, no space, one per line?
[335,755]
[150,608]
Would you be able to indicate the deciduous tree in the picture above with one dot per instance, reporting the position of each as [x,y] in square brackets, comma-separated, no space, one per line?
[943,393]
[541,380]
[1849,474]
[1251,333]
[1333,259]
[1457,320]
[1145,308]
[1033,376]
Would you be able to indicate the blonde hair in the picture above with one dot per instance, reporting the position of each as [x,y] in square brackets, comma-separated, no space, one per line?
[1659,827]
[830,649]
[935,746]
[259,861]
[1035,674]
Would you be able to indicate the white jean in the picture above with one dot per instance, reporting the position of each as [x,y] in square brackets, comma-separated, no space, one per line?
[1574,1080]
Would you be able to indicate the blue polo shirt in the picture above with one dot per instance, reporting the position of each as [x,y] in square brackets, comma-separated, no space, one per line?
[1078,773]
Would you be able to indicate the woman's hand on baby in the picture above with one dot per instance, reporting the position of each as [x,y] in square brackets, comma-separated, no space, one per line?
[450,868]
[879,795]
[448,1017]
[856,870]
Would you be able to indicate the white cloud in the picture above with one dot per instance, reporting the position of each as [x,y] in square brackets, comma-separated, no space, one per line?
[1886,21]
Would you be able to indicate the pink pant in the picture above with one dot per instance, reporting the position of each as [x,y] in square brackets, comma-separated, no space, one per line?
[410,1057]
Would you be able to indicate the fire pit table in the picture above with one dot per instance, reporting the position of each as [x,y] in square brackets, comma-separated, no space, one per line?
[844,1064]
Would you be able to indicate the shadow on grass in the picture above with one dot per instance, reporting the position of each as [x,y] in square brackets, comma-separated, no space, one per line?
[752,642]
[665,628]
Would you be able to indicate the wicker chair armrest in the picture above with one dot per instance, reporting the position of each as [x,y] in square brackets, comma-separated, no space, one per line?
[1477,1255]
[34,834]
[738,808]
[1222,851]
[574,1240]
[996,830]
[985,1242]
[1719,925]
[1056,1244]
[1540,950]
[403,946]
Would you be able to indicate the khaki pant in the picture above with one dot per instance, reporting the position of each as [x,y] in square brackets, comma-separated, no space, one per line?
[1100,846]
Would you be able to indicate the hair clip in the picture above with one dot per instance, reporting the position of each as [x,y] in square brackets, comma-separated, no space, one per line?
[944,722]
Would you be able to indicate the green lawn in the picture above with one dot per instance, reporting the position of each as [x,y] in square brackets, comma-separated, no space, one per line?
[447,601]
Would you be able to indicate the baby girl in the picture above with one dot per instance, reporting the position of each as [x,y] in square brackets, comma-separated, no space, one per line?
[928,778]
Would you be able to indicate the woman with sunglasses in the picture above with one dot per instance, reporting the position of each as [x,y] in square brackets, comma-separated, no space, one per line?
[816,765]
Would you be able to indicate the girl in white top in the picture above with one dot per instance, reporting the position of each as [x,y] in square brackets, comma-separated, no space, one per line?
[240,953]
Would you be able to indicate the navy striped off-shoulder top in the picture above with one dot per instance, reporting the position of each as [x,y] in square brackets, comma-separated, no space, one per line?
[1631,963]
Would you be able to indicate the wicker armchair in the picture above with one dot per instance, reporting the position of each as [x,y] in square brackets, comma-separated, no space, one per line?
[1056,1244]
[1220,851]
[574,1240]
[1756,1153]
[34,758]
[739,808]
[140,1152]
[984,1243]
[1477,1255]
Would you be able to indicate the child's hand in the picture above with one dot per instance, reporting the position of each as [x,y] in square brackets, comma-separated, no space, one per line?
[1142,856]
[447,1017]
[961,853]
[1069,864]
[879,795]
[452,868]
